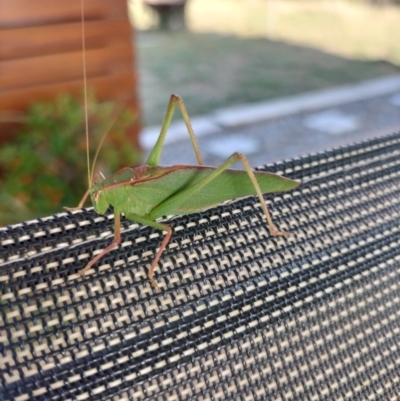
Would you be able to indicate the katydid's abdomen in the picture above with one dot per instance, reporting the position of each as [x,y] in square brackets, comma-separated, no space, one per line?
[228,185]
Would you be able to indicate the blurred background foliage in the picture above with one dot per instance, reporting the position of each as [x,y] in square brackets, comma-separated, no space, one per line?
[45,167]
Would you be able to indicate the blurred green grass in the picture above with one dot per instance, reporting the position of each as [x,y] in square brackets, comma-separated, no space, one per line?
[240,51]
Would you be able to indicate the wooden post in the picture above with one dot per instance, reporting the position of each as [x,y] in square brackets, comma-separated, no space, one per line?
[41,54]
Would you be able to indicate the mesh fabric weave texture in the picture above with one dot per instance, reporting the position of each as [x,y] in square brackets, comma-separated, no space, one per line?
[241,315]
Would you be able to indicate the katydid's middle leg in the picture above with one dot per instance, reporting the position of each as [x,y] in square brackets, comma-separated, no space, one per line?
[161,227]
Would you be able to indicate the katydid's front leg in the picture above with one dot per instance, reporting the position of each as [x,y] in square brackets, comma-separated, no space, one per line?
[113,245]
[161,227]
[81,203]
[85,196]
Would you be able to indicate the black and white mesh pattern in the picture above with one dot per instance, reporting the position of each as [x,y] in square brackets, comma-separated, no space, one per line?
[241,315]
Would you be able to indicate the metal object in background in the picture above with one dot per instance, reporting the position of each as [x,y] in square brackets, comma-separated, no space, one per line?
[171,13]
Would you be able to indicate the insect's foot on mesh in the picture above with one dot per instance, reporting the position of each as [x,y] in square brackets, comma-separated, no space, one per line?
[81,273]
[277,233]
[71,209]
[153,282]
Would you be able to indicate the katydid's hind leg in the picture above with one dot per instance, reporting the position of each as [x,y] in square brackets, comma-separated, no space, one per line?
[189,127]
[272,228]
[112,246]
[194,189]
[158,226]
[154,157]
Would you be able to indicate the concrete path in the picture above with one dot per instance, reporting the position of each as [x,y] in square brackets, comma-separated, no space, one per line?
[288,127]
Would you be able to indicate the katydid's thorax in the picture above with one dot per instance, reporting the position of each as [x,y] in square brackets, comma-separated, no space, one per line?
[136,190]
[118,191]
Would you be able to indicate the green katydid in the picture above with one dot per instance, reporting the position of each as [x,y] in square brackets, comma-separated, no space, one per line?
[146,193]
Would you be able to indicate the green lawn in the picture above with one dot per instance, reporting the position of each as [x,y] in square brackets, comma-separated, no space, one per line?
[241,51]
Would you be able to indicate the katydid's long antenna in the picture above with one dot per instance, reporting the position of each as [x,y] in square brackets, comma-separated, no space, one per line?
[100,145]
[85,91]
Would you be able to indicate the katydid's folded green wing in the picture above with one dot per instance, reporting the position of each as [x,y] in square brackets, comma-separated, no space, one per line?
[179,181]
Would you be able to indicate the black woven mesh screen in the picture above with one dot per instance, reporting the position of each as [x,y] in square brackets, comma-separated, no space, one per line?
[241,315]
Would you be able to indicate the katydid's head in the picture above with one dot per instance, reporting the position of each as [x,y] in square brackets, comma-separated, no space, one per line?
[98,194]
